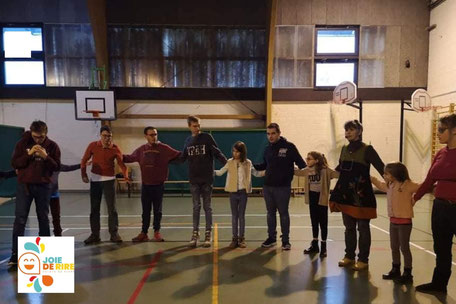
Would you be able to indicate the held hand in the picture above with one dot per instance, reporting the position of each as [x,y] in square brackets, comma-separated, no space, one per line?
[42,153]
[128,181]
[85,179]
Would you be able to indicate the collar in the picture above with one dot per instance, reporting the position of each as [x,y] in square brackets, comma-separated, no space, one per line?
[100,144]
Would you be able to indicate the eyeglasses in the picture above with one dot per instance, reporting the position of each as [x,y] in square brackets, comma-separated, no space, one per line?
[152,134]
[106,136]
[39,137]
[441,129]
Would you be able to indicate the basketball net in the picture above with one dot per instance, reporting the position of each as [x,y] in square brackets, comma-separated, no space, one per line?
[95,114]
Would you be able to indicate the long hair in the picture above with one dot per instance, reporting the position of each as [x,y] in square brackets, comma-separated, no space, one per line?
[398,170]
[321,163]
[242,148]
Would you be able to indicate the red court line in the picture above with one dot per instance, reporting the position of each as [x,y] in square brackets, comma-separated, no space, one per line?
[145,276]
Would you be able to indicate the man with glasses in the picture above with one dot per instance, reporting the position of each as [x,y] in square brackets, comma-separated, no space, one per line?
[35,158]
[103,153]
[153,158]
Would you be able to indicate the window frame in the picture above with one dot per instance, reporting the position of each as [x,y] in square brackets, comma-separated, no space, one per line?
[335,57]
[35,55]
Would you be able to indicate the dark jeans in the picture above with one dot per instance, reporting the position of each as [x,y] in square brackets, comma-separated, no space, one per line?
[55,211]
[97,189]
[26,193]
[400,241]
[151,195]
[277,198]
[443,231]
[318,216]
[201,191]
[238,202]
[350,224]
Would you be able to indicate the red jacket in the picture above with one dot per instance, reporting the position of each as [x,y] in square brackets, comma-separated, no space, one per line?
[102,159]
[33,169]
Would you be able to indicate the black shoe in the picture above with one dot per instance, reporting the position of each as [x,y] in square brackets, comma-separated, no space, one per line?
[431,288]
[394,273]
[92,239]
[269,243]
[13,260]
[323,250]
[405,278]
[286,245]
[115,238]
[313,248]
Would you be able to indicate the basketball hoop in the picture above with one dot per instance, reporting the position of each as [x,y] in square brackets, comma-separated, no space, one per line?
[345,93]
[421,101]
[95,114]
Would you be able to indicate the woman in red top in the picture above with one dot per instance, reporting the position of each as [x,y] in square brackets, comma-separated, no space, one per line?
[442,174]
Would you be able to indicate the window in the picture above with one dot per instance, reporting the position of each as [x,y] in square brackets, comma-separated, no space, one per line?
[22,57]
[335,55]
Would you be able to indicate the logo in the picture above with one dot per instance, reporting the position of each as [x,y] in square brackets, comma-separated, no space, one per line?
[283,152]
[46,265]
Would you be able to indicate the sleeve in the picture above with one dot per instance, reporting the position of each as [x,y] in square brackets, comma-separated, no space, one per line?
[426,186]
[132,158]
[298,158]
[216,151]
[222,170]
[172,154]
[8,174]
[340,160]
[333,173]
[52,161]
[257,173]
[121,163]
[262,166]
[379,184]
[373,158]
[68,168]
[20,159]
[85,158]
[301,172]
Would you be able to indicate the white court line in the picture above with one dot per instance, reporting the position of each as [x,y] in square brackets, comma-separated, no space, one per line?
[411,243]
[65,230]
[4,261]
[171,227]
[174,215]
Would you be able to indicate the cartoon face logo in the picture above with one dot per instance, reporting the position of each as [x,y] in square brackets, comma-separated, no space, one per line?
[29,263]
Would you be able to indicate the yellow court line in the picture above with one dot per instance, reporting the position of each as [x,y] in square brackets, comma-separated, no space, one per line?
[215,282]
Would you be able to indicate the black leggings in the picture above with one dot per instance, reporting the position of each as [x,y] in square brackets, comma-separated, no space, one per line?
[318,216]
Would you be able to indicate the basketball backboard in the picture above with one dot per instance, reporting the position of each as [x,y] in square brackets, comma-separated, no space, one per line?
[345,93]
[95,105]
[421,100]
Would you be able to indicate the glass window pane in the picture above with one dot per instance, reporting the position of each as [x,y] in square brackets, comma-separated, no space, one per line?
[331,74]
[20,42]
[336,41]
[24,72]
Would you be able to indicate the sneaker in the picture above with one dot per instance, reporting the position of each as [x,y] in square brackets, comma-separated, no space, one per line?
[13,260]
[142,237]
[346,262]
[360,266]
[115,238]
[286,245]
[431,288]
[313,248]
[269,243]
[194,240]
[92,239]
[158,237]
[234,242]
[241,242]
[207,239]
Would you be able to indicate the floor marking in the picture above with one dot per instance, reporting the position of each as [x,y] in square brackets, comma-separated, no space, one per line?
[411,243]
[144,277]
[172,215]
[215,282]
[4,261]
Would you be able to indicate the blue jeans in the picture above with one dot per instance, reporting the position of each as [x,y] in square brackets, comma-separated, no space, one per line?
[238,202]
[278,198]
[26,193]
[203,191]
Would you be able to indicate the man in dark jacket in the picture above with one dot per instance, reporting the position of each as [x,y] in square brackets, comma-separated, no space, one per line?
[279,157]
[35,158]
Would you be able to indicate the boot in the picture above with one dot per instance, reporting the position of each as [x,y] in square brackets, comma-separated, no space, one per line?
[234,242]
[194,240]
[394,273]
[313,248]
[405,278]
[207,239]
[241,242]
[323,249]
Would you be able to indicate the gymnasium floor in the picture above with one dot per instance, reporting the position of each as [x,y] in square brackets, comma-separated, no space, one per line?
[169,272]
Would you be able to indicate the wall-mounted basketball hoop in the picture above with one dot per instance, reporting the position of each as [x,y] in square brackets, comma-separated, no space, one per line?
[346,93]
[421,101]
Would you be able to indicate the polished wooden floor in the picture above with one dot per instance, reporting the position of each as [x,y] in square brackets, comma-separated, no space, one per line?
[169,272]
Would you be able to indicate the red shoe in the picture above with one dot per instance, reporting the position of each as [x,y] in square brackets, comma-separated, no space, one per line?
[158,237]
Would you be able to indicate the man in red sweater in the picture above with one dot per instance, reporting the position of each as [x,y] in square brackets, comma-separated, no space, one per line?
[103,153]
[153,158]
[35,158]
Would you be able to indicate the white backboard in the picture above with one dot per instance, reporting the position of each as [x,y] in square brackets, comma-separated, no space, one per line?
[345,92]
[421,100]
[101,102]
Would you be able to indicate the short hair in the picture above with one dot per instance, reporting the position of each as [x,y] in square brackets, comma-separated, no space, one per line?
[274,125]
[242,148]
[398,170]
[39,126]
[192,118]
[353,124]
[148,128]
[448,121]
[105,128]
